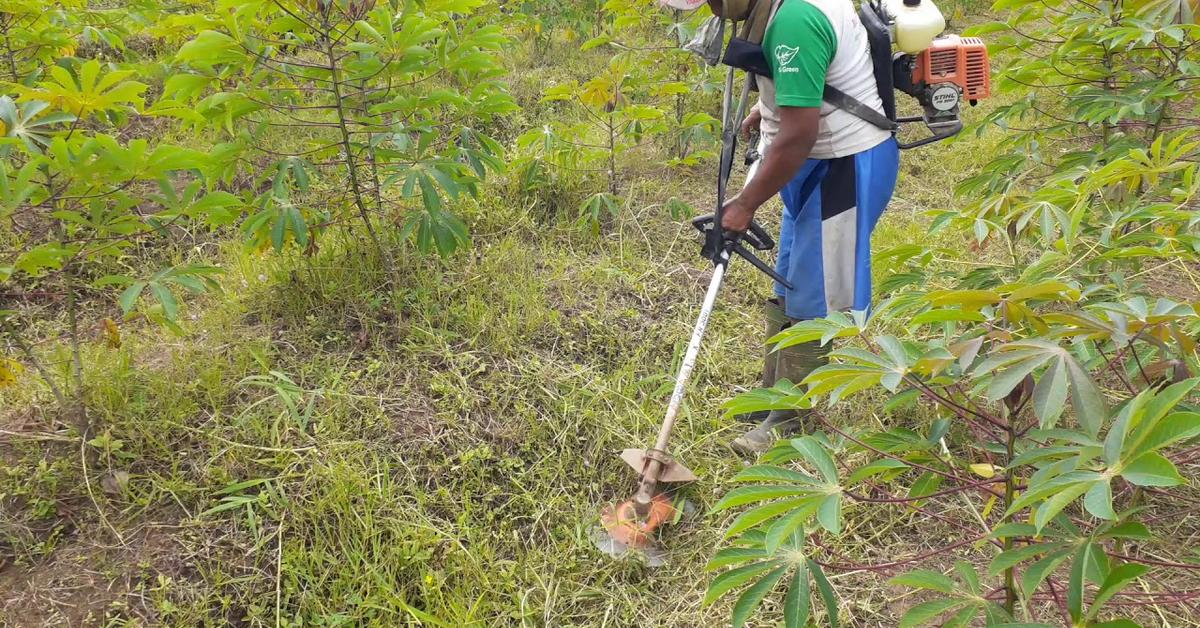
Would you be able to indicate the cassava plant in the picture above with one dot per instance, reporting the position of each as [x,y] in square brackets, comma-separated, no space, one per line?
[34,33]
[1042,389]
[654,41]
[639,98]
[383,104]
[80,202]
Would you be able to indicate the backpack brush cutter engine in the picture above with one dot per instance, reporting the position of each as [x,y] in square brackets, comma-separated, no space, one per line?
[952,70]
[941,77]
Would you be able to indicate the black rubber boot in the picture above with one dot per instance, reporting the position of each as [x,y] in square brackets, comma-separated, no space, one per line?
[794,364]
[777,321]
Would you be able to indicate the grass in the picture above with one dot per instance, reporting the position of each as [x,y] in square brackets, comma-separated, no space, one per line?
[303,457]
[450,463]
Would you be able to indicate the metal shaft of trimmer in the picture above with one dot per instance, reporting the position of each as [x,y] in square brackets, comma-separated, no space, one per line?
[654,463]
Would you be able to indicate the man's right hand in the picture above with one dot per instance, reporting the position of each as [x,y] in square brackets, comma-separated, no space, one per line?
[752,123]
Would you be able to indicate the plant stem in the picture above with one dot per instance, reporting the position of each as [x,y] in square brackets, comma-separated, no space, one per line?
[1135,500]
[11,56]
[612,156]
[82,424]
[679,104]
[1010,489]
[27,351]
[352,169]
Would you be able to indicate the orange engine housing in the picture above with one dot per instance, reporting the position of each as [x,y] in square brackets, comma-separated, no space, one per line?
[959,60]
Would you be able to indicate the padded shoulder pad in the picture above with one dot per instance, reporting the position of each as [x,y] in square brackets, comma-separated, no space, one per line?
[871,15]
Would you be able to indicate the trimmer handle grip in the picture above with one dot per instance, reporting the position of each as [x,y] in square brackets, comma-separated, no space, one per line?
[755,236]
[731,243]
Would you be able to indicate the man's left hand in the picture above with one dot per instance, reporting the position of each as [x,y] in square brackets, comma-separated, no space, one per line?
[736,216]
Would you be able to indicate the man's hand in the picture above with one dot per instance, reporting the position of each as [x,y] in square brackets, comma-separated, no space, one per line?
[752,123]
[797,132]
[737,215]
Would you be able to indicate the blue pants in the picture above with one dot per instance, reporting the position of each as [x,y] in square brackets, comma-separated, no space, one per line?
[830,209]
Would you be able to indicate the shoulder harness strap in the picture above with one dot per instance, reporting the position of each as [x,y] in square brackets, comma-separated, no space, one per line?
[842,100]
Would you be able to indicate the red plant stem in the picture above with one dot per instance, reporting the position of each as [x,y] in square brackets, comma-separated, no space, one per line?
[901,500]
[1170,515]
[894,457]
[961,411]
[1186,456]
[1167,598]
[1190,450]
[1157,563]
[996,591]
[947,520]
[1163,493]
[1058,601]
[1168,594]
[943,518]
[1111,364]
[898,563]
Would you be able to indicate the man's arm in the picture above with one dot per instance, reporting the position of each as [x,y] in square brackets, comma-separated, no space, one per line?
[798,127]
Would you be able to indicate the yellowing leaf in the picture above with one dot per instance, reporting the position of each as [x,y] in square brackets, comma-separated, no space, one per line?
[112,335]
[89,91]
[10,371]
[599,92]
[985,470]
[987,508]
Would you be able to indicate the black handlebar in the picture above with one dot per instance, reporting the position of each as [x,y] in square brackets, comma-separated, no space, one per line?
[719,245]
[731,243]
[755,236]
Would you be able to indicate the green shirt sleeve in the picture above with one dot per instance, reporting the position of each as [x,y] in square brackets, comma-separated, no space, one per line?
[799,45]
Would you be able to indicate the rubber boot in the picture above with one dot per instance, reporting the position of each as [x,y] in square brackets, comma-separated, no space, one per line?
[777,321]
[794,364]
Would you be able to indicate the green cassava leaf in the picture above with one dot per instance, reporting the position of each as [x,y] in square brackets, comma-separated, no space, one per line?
[166,299]
[756,516]
[752,598]
[1033,575]
[1172,429]
[1013,557]
[1118,579]
[925,579]
[786,525]
[1152,469]
[796,607]
[1077,582]
[734,578]
[827,594]
[887,467]
[771,473]
[129,297]
[750,494]
[815,454]
[733,556]
[923,614]
[1050,393]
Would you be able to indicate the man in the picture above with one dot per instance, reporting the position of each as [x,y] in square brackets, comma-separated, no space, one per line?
[834,171]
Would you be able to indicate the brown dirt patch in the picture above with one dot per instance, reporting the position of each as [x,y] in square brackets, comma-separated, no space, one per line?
[85,578]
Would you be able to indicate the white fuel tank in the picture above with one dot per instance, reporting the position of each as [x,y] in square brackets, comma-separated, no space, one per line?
[917,23]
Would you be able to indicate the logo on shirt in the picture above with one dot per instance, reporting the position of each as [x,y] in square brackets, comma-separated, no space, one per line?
[785,54]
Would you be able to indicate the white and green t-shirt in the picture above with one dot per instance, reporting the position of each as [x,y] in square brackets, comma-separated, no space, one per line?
[809,43]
